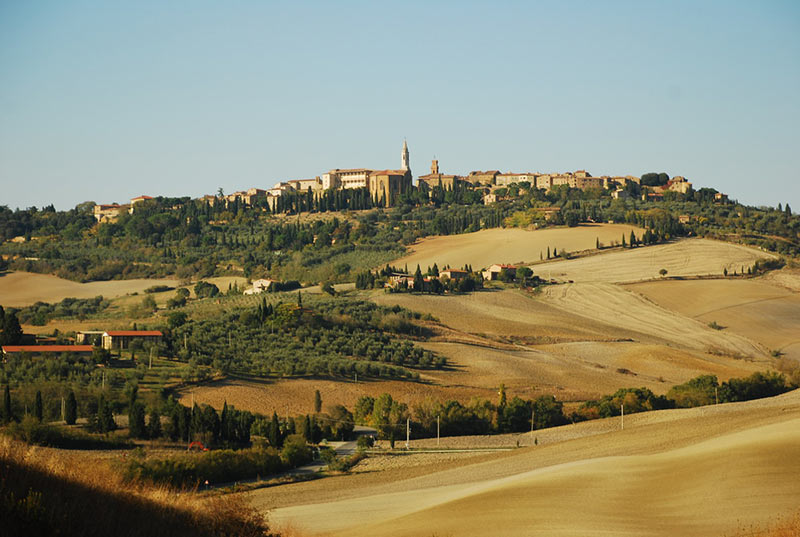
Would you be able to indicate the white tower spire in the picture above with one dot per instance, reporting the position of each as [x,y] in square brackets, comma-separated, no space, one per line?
[406,165]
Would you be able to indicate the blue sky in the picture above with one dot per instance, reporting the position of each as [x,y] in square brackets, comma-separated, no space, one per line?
[108,100]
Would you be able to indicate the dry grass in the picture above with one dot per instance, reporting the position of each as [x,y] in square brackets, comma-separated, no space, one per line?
[483,248]
[20,289]
[781,527]
[44,492]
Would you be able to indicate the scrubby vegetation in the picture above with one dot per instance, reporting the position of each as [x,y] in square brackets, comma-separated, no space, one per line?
[47,495]
[80,308]
[215,467]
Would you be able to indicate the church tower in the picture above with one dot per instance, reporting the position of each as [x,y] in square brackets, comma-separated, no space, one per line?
[406,166]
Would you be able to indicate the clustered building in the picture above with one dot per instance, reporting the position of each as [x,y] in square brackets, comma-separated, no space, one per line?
[385,186]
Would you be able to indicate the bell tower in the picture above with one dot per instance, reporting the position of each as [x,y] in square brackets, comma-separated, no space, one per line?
[434,167]
[406,166]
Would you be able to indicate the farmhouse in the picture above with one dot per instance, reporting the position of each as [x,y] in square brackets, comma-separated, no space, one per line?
[108,212]
[259,286]
[92,337]
[453,274]
[493,272]
[39,350]
[121,339]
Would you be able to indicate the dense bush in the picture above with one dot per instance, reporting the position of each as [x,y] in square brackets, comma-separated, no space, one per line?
[216,467]
[40,312]
[33,431]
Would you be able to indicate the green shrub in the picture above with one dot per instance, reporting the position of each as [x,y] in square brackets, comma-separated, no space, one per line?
[216,467]
[32,431]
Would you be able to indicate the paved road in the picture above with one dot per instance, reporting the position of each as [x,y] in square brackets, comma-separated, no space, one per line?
[342,449]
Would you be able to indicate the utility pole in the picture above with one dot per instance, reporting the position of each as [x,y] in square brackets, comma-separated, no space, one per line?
[408,431]
[185,347]
[437,431]
[622,413]
[533,419]
[716,396]
[63,410]
[151,358]
[356,377]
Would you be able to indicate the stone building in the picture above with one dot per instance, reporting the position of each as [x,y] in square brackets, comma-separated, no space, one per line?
[435,178]
[384,185]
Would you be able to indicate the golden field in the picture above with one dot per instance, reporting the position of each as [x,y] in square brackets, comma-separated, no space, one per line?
[19,289]
[697,472]
[499,245]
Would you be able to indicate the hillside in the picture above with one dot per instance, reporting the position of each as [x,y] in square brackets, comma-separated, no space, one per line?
[687,257]
[513,245]
[643,480]
[760,309]
[19,289]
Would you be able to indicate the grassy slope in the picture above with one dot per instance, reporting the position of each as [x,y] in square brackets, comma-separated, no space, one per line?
[588,479]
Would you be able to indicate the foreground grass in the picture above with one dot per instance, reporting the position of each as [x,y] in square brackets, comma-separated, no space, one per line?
[781,527]
[42,493]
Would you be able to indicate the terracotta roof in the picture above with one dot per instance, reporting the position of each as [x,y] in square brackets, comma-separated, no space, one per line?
[388,172]
[134,333]
[142,198]
[349,170]
[47,348]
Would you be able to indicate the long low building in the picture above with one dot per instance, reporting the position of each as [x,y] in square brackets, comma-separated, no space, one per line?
[38,350]
[121,339]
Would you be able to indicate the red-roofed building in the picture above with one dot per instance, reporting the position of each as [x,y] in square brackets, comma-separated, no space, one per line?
[38,350]
[121,339]
[138,199]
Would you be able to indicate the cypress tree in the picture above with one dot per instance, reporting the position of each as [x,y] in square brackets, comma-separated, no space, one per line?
[308,434]
[71,409]
[317,402]
[12,331]
[136,425]
[7,415]
[274,432]
[226,424]
[38,407]
[154,425]
[105,416]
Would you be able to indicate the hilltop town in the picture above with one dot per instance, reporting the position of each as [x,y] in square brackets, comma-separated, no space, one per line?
[385,188]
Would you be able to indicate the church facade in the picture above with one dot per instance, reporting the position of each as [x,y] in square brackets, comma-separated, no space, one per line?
[385,186]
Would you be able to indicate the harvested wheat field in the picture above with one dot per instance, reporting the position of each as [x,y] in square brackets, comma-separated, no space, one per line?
[695,472]
[484,248]
[296,396]
[649,322]
[19,289]
[576,341]
[685,257]
[757,309]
